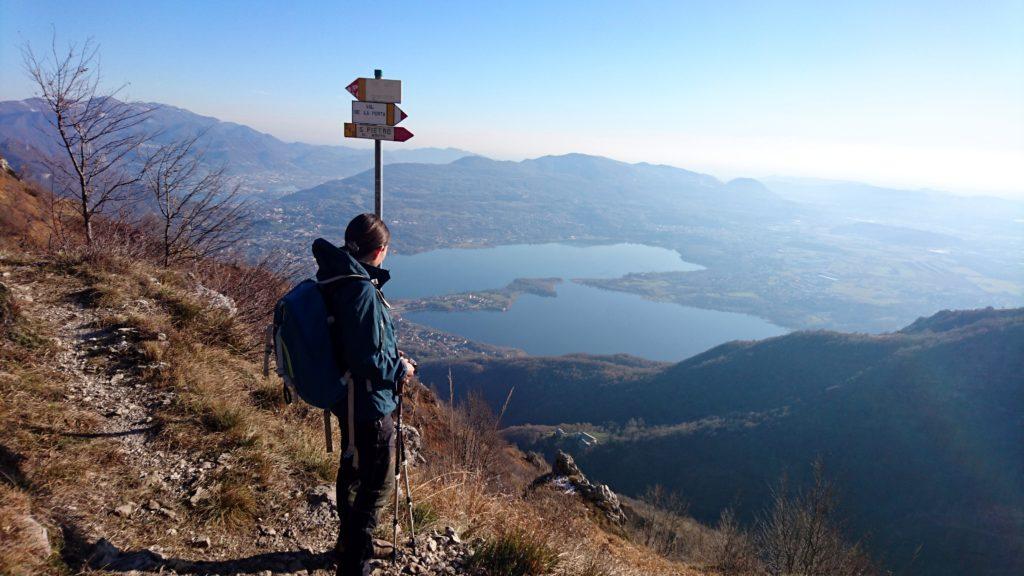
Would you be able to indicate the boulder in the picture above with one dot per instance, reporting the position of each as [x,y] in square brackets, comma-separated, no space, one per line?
[568,477]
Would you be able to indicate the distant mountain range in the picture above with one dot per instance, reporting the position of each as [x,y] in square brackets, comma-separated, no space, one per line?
[479,201]
[921,428]
[265,163]
[845,255]
[800,264]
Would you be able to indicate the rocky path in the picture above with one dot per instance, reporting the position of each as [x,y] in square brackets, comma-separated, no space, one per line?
[105,369]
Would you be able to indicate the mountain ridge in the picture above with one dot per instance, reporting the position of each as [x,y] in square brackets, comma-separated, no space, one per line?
[264,162]
[920,427]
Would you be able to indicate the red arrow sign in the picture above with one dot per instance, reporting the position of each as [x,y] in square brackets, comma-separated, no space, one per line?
[376,90]
[372,132]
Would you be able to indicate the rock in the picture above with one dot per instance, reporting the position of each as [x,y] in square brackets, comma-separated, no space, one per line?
[567,476]
[153,505]
[201,542]
[452,534]
[198,496]
[34,538]
[565,466]
[322,495]
[216,300]
[125,510]
[413,442]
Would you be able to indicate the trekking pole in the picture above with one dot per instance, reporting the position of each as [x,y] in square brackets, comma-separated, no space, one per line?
[402,464]
[398,473]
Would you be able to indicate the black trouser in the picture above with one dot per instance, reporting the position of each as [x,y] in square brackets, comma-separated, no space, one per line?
[363,491]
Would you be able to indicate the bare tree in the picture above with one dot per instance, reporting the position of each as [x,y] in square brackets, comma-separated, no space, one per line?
[799,534]
[97,132]
[200,213]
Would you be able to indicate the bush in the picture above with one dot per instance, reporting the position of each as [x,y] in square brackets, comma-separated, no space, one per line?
[8,311]
[232,503]
[514,553]
[425,515]
[799,534]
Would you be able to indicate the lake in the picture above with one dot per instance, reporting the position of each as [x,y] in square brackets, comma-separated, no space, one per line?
[580,318]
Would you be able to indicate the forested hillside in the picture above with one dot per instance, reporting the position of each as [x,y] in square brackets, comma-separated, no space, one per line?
[921,428]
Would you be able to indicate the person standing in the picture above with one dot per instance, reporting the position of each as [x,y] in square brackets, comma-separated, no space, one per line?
[365,346]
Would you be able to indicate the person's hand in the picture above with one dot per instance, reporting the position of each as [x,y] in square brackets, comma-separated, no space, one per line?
[410,369]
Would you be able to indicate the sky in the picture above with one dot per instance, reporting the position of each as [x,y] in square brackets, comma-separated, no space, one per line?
[925,94]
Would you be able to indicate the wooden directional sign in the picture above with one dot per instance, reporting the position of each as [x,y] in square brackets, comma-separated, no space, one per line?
[376,90]
[372,132]
[376,113]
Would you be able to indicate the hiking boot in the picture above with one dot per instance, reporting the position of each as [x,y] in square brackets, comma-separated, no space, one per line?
[382,548]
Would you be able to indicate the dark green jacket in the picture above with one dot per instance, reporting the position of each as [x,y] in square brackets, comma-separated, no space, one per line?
[364,334]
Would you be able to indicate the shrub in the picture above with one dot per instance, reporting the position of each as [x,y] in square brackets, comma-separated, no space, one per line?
[223,416]
[8,311]
[799,534]
[514,553]
[232,503]
[425,515]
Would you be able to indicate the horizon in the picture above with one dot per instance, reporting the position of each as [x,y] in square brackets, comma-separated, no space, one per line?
[895,112]
[765,179]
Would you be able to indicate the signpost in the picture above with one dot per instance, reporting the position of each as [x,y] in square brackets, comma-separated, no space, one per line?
[376,113]
[376,90]
[395,134]
[374,116]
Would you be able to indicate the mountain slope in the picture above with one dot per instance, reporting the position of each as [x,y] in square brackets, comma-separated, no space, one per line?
[137,435]
[265,163]
[476,200]
[921,428]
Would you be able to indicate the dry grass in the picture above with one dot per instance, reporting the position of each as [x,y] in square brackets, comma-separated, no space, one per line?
[473,480]
[21,553]
[514,552]
[482,495]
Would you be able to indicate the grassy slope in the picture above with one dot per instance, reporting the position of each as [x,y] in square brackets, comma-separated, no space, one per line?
[72,324]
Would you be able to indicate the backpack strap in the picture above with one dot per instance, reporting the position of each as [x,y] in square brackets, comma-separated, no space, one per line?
[350,450]
[328,436]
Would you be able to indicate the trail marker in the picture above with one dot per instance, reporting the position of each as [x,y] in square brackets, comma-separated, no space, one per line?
[374,132]
[377,113]
[374,116]
[376,90]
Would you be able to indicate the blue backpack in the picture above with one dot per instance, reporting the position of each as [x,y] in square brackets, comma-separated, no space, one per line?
[301,342]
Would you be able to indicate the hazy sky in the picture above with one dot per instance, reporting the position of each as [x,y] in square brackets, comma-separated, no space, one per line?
[918,94]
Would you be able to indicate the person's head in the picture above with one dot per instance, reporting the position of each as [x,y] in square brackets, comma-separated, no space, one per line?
[367,238]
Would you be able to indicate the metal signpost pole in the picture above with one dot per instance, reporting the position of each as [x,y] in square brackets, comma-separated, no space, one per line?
[378,170]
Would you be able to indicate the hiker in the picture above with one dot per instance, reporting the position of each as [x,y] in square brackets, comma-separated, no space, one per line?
[364,344]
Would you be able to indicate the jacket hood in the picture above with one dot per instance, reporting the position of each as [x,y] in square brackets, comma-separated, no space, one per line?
[333,261]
